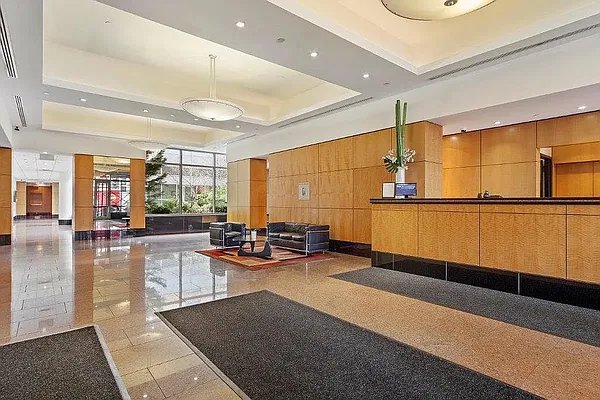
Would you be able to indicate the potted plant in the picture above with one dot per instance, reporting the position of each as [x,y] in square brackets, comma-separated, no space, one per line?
[396,162]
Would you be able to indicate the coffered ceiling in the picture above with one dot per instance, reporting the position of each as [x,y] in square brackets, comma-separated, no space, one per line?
[102,68]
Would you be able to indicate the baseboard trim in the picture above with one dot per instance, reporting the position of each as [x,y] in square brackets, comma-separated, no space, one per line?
[558,290]
[351,248]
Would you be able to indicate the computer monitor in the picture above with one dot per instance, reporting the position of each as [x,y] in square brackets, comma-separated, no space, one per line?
[406,189]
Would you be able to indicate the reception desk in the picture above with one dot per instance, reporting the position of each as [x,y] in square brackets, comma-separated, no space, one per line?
[503,244]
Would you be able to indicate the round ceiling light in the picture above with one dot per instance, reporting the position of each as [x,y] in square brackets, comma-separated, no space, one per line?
[148,146]
[431,10]
[211,108]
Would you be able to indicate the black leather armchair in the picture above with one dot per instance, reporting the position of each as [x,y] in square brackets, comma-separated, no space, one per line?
[302,237]
[226,234]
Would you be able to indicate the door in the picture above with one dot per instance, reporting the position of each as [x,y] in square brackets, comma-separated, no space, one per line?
[101,199]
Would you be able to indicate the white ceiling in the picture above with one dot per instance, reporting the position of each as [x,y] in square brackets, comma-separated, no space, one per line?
[533,109]
[154,52]
[118,53]
[422,46]
[28,167]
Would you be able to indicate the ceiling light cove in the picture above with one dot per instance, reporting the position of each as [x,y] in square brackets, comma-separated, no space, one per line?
[211,108]
[431,10]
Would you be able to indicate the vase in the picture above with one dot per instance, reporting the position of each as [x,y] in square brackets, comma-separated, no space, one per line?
[401,176]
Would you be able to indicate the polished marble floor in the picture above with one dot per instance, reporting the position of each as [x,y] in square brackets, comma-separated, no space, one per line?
[48,283]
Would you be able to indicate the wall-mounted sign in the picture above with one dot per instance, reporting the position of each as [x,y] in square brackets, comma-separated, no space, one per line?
[304,191]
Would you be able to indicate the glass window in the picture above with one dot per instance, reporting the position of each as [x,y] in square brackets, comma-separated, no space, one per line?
[191,183]
[172,156]
[221,190]
[198,190]
[198,158]
[221,160]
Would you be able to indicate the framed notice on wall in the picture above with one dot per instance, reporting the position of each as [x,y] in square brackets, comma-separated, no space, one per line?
[304,191]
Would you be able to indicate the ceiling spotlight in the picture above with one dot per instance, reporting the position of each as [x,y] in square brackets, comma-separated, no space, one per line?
[46,93]
[366,76]
[196,119]
[240,24]
[497,123]
[314,54]
[108,21]
[172,116]
[280,40]
[82,100]
[450,3]
[238,127]
[581,108]
[145,111]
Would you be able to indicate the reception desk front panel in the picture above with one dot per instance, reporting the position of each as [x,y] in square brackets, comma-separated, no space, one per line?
[553,238]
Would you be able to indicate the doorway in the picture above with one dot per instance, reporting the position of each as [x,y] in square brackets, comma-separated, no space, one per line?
[545,175]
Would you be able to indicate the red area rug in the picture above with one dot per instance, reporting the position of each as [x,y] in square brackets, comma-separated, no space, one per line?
[280,258]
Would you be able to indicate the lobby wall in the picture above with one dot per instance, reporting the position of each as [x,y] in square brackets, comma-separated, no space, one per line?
[5,195]
[505,160]
[247,192]
[501,160]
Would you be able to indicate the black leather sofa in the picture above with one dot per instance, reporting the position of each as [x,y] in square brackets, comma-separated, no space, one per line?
[226,234]
[306,238]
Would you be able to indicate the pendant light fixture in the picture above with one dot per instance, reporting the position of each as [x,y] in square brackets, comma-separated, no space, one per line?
[431,10]
[211,108]
[149,144]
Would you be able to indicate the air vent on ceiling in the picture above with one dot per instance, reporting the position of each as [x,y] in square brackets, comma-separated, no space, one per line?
[325,112]
[20,110]
[516,51]
[46,157]
[7,53]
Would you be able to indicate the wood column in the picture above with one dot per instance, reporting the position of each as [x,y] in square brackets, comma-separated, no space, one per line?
[137,206]
[247,192]
[5,196]
[426,170]
[84,197]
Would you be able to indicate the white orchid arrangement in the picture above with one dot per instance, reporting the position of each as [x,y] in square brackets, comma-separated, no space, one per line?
[399,159]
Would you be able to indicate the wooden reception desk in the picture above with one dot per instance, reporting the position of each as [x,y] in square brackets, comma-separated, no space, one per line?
[557,238]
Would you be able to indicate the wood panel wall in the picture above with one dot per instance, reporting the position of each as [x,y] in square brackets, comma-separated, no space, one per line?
[344,174]
[5,191]
[137,195]
[39,200]
[247,192]
[501,160]
[55,198]
[21,204]
[83,177]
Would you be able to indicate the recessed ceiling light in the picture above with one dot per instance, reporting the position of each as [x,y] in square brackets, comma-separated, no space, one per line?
[366,76]
[46,93]
[238,127]
[196,119]
[172,115]
[581,107]
[82,100]
[280,40]
[314,54]
[145,111]
[108,21]
[240,24]
[450,3]
[497,123]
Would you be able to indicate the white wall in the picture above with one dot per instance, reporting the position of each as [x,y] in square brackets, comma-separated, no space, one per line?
[65,195]
[570,66]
